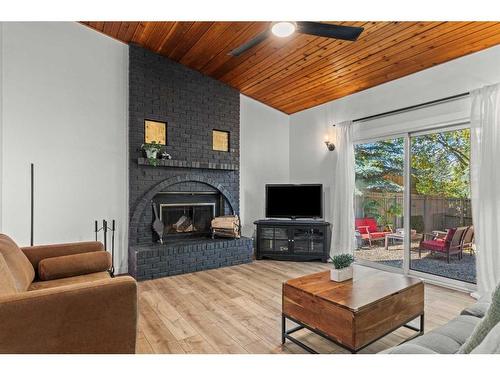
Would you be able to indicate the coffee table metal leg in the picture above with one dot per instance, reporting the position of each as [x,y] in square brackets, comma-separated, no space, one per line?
[283,329]
[419,330]
[286,334]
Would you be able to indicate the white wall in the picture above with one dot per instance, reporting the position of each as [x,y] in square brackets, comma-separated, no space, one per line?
[264,156]
[64,109]
[1,125]
[309,159]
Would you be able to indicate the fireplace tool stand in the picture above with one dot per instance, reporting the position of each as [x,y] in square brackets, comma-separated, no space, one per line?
[105,229]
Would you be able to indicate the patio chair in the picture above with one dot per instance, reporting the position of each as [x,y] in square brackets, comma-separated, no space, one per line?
[370,231]
[468,240]
[450,245]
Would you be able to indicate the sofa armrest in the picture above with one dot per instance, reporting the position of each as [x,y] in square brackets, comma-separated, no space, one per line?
[478,309]
[36,253]
[91,317]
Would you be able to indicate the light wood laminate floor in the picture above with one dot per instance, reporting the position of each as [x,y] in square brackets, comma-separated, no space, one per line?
[238,310]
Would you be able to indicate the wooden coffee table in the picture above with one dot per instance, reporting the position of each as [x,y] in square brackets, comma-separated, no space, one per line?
[353,313]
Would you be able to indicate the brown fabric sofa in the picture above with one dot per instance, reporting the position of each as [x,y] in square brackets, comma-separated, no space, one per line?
[61,299]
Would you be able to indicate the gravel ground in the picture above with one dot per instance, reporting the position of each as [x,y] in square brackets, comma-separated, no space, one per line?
[464,269]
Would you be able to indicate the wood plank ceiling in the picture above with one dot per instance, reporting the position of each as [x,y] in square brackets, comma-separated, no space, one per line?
[302,71]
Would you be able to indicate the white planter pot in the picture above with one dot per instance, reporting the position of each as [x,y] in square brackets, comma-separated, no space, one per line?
[151,154]
[342,274]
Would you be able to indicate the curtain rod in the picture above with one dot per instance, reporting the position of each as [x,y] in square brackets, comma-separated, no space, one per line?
[412,107]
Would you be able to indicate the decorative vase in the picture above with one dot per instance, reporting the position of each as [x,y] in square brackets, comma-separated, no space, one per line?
[342,274]
[151,154]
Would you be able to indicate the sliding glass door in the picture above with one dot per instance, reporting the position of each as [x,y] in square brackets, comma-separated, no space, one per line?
[412,204]
[379,202]
[440,206]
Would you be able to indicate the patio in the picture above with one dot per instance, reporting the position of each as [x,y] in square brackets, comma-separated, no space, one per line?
[460,269]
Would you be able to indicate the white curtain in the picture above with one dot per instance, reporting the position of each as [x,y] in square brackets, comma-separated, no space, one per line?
[343,194]
[485,184]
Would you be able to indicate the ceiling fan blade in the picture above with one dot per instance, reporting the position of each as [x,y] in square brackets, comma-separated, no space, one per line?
[329,31]
[251,43]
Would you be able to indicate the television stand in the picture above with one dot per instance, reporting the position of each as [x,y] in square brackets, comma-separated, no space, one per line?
[296,240]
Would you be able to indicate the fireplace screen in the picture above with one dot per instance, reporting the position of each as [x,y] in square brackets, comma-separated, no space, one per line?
[187,218]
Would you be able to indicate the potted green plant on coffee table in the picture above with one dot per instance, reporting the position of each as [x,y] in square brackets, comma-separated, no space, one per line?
[342,270]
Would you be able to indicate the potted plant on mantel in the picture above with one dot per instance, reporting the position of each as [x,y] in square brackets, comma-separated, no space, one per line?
[152,150]
[342,270]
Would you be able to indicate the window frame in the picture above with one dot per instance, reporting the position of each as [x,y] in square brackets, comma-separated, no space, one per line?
[406,269]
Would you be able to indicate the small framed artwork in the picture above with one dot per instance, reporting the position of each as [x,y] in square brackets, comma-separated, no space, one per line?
[220,140]
[155,131]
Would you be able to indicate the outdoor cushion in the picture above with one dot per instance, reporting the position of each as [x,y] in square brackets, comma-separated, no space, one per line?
[369,222]
[491,319]
[434,245]
[374,235]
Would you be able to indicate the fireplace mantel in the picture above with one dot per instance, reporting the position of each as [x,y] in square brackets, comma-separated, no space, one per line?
[166,163]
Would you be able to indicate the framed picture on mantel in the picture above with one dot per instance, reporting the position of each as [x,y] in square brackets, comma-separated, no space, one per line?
[220,140]
[155,132]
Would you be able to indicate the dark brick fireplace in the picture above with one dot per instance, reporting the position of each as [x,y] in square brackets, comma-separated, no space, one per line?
[196,184]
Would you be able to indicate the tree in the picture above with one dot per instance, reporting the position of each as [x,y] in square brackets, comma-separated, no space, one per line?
[439,165]
[379,164]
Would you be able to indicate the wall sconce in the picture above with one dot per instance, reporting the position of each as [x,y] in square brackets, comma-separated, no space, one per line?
[329,145]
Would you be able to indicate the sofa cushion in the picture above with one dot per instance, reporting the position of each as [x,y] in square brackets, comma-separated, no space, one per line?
[408,348]
[20,267]
[39,252]
[490,344]
[459,329]
[7,284]
[73,265]
[490,320]
[69,280]
[443,340]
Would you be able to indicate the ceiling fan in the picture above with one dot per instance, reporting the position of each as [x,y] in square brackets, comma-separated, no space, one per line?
[287,28]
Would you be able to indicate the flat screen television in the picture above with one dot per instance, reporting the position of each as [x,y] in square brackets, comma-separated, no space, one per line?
[294,201]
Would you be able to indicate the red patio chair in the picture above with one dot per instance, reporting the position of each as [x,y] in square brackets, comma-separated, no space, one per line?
[451,244]
[370,231]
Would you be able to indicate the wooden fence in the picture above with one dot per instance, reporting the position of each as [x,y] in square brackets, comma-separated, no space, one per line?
[427,212]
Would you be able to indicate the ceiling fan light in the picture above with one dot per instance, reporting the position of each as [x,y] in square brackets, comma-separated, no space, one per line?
[283,29]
